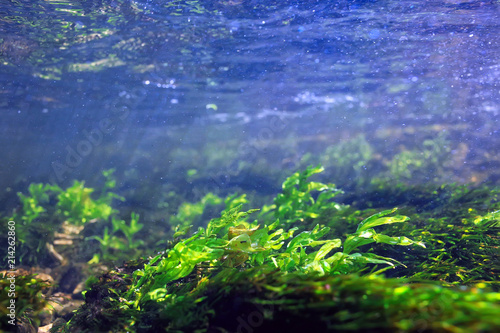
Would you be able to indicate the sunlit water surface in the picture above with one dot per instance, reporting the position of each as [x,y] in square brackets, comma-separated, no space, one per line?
[242,93]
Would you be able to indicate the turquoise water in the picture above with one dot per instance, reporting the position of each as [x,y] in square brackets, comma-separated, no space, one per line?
[201,96]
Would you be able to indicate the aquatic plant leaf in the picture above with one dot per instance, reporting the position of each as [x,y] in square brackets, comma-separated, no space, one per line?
[317,266]
[158,294]
[33,204]
[181,231]
[273,241]
[306,238]
[216,225]
[239,230]
[297,202]
[311,170]
[182,259]
[370,258]
[128,230]
[489,220]
[273,225]
[191,213]
[325,249]
[335,258]
[316,186]
[401,240]
[354,241]
[379,219]
[76,205]
[376,259]
[229,217]
[31,208]
[235,200]
[240,243]
[105,240]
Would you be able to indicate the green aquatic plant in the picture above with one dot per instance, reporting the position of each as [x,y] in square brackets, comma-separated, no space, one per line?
[490,220]
[268,300]
[462,251]
[307,203]
[39,195]
[234,243]
[458,223]
[113,246]
[47,208]
[291,263]
[77,206]
[358,163]
[34,222]
[107,243]
[296,274]
[432,158]
[129,231]
[349,162]
[298,202]
[21,300]
[231,241]
[189,214]
[300,253]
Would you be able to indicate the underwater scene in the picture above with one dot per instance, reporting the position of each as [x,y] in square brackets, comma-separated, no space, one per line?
[250,166]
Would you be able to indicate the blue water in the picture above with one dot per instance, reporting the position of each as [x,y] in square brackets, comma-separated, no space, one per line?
[244,92]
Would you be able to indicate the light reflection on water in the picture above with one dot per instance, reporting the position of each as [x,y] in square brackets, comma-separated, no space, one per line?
[234,90]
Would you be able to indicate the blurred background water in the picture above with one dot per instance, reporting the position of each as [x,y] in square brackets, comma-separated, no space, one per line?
[198,96]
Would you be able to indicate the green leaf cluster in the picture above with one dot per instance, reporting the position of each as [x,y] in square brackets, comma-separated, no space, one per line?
[231,241]
[76,205]
[459,225]
[298,203]
[189,214]
[464,251]
[295,264]
[46,207]
[121,242]
[349,161]
[431,158]
[29,302]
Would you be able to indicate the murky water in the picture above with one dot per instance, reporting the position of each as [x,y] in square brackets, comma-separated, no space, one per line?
[243,92]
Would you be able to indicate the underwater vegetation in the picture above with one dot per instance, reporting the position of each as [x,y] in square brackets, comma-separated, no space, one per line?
[460,226]
[51,217]
[359,161]
[29,304]
[309,261]
[315,257]
[411,156]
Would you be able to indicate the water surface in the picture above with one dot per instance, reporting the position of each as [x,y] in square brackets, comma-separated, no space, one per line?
[245,92]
